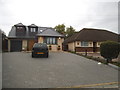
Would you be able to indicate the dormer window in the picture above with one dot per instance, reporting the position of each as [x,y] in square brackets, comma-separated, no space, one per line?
[32,29]
[20,31]
[19,27]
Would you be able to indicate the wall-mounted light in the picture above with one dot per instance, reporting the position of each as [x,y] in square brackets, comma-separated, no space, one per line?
[59,38]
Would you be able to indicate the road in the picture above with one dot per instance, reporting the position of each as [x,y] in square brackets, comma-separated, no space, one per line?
[61,69]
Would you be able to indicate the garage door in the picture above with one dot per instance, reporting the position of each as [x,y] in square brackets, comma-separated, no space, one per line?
[16,45]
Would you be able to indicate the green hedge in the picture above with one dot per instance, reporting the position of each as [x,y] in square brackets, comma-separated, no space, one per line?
[109,50]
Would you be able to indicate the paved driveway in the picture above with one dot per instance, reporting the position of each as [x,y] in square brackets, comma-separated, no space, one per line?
[61,69]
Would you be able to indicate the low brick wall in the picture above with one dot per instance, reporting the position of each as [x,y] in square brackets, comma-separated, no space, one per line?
[88,49]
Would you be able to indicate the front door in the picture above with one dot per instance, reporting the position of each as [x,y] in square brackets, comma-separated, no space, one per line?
[30,44]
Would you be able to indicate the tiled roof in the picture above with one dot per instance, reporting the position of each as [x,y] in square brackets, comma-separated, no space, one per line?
[19,24]
[89,34]
[119,38]
[71,38]
[50,32]
[32,25]
[46,31]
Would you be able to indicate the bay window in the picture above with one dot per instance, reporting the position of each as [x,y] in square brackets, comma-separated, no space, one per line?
[50,40]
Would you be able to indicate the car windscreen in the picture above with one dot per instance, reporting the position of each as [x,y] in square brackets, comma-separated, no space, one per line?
[40,45]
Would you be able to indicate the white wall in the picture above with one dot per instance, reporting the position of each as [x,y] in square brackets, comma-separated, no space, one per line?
[98,44]
[24,44]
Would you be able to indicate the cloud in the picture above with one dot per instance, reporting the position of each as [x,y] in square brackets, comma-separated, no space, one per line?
[102,15]
[77,13]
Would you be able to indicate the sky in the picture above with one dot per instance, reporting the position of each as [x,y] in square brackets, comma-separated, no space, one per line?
[99,14]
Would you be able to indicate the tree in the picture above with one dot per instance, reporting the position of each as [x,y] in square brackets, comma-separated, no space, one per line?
[70,31]
[109,50]
[60,28]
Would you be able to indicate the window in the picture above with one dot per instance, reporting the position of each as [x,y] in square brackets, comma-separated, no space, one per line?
[83,43]
[20,31]
[39,31]
[32,29]
[50,40]
[19,27]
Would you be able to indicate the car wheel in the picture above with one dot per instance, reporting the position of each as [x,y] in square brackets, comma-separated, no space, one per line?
[32,56]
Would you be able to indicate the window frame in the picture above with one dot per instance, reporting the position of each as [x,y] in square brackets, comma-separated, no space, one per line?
[50,40]
[19,27]
[33,30]
[84,44]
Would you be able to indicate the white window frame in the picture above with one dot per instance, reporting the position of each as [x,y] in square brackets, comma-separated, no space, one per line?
[51,40]
[84,44]
[32,30]
[19,27]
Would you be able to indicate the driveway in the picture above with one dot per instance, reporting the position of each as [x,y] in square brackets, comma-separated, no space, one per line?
[61,69]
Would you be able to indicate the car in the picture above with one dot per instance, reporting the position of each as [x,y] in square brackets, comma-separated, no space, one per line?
[40,49]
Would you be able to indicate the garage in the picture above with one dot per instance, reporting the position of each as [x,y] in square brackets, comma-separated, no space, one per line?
[15,45]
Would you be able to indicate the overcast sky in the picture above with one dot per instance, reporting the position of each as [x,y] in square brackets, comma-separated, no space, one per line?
[101,14]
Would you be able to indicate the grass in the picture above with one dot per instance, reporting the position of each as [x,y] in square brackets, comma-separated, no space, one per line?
[116,63]
[96,59]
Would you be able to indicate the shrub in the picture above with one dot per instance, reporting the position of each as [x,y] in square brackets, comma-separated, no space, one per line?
[73,52]
[109,50]
[50,47]
[58,47]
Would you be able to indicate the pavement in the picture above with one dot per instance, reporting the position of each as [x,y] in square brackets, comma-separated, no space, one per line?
[61,69]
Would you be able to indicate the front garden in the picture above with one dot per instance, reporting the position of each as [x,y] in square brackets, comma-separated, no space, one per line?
[109,50]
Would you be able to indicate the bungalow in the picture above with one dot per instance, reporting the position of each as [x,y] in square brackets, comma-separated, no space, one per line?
[89,40]
[22,38]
